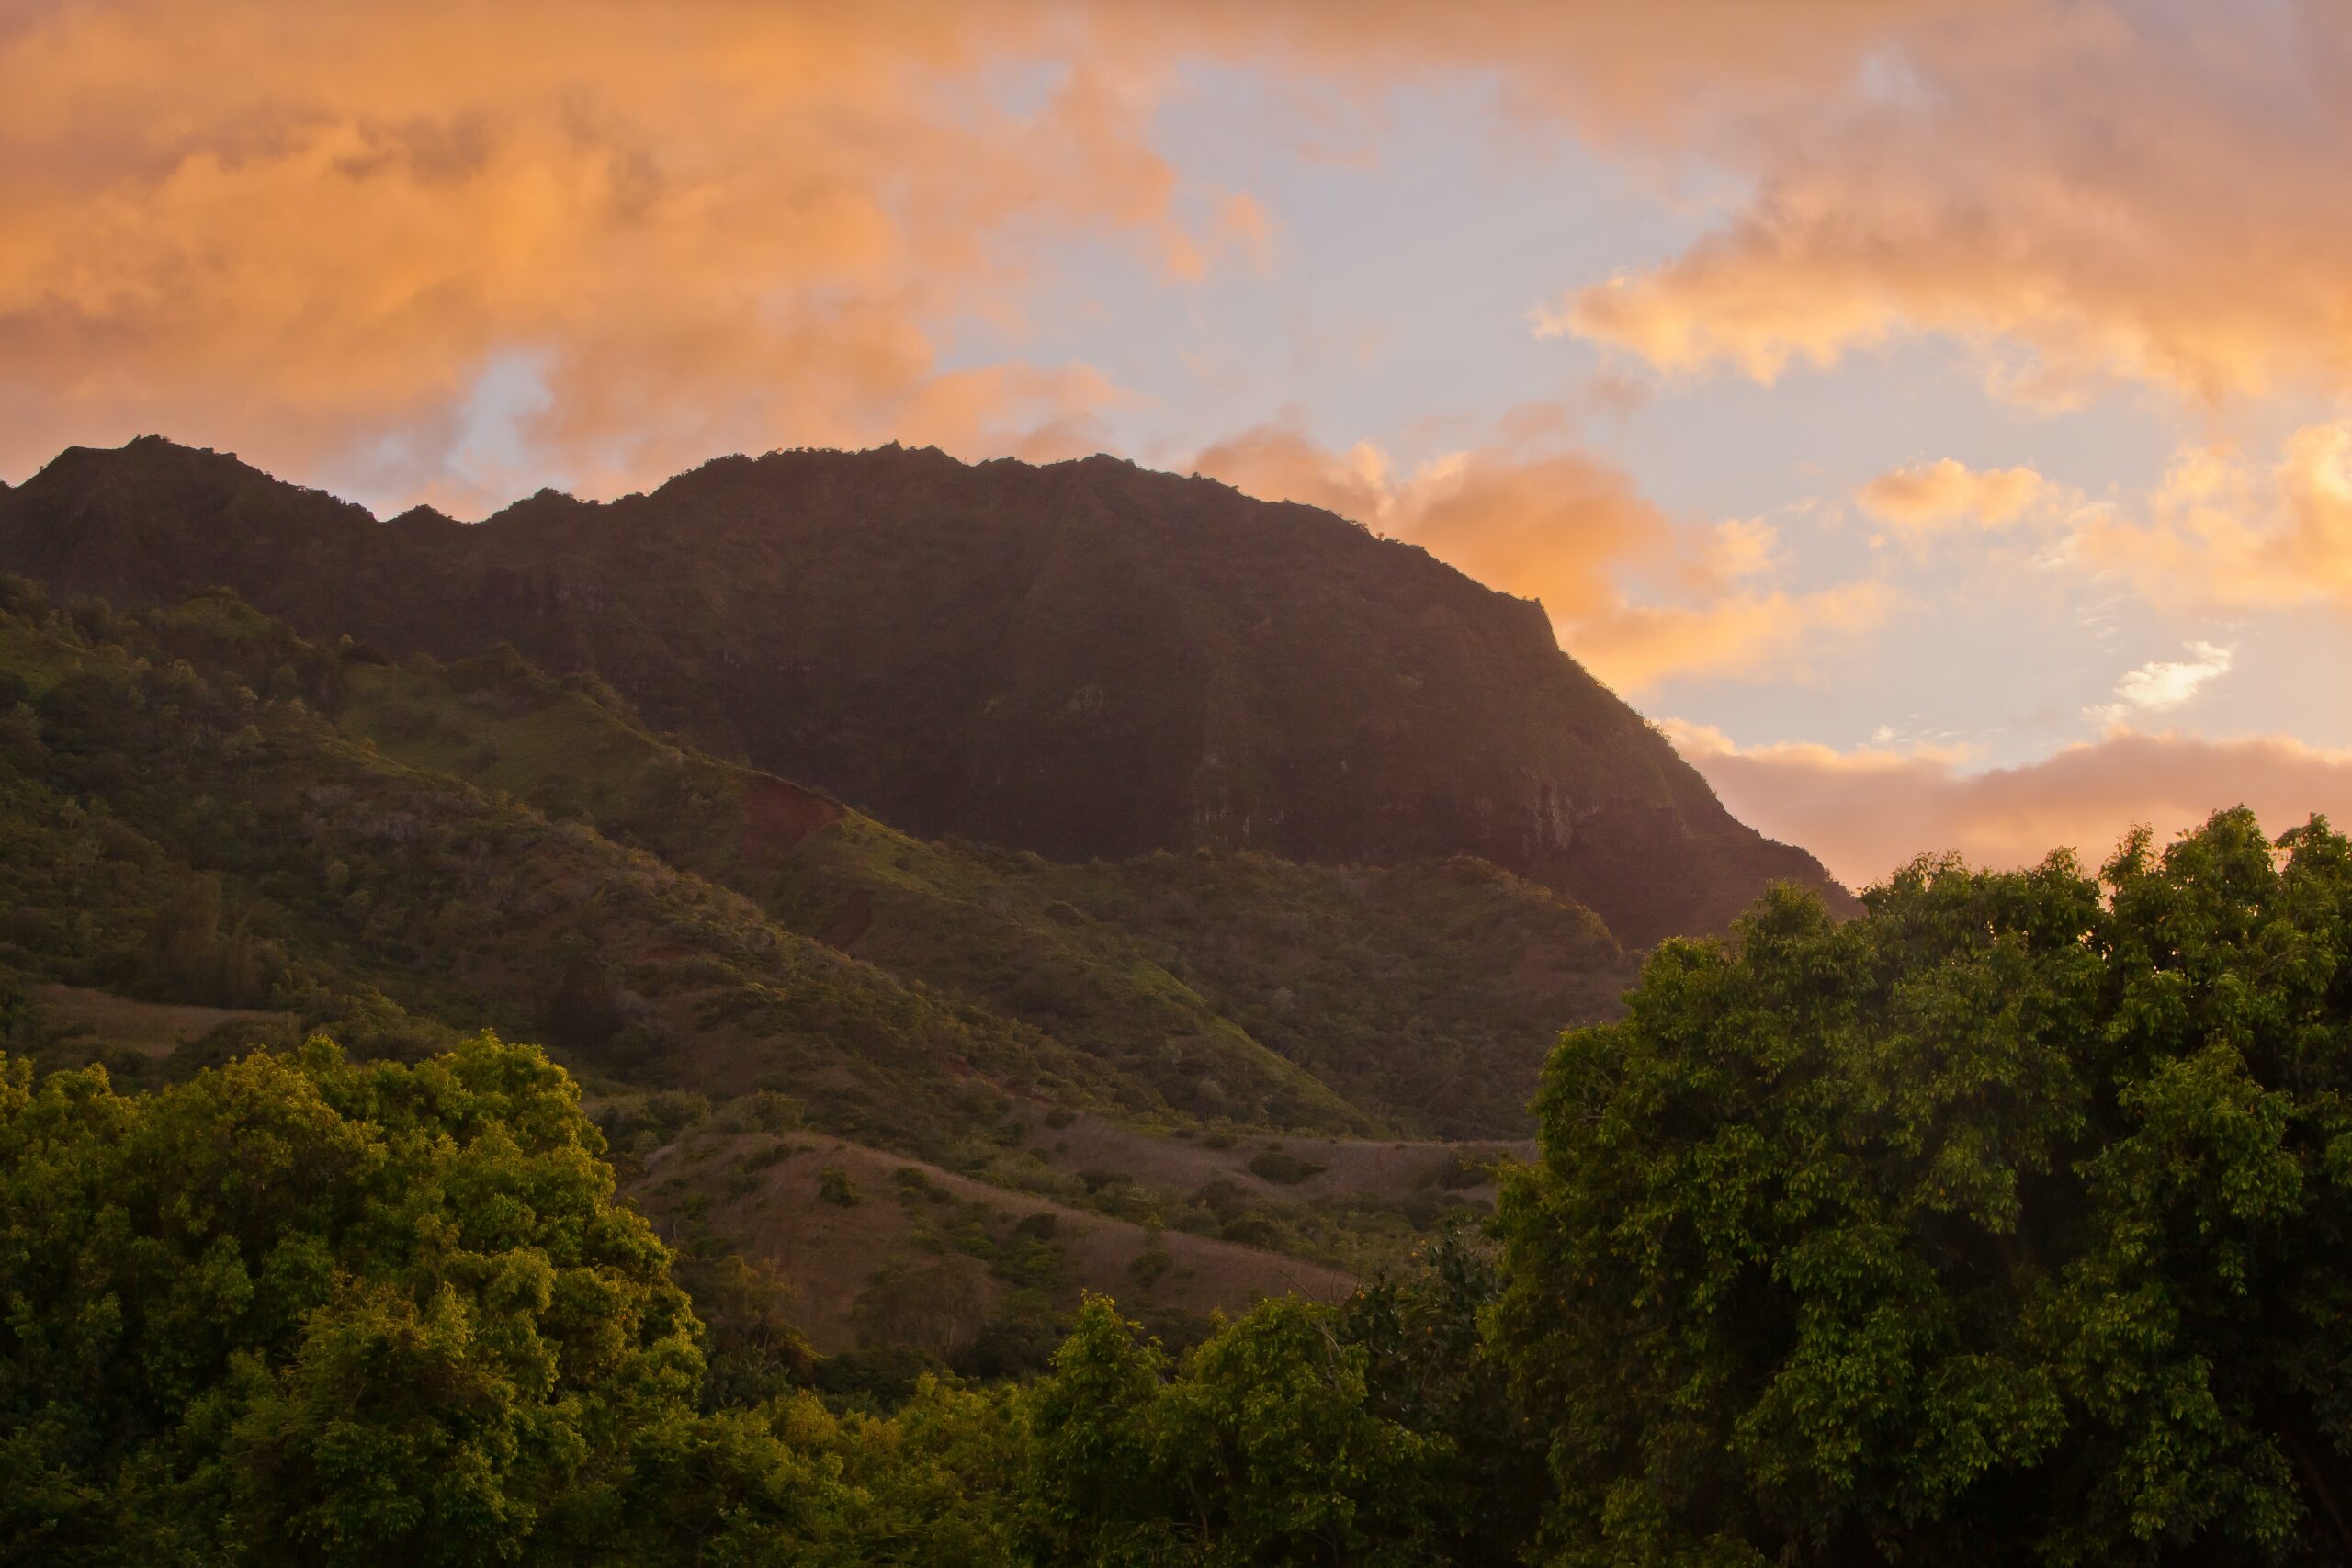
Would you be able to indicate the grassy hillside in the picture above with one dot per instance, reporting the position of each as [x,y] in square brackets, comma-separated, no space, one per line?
[1431,989]
[182,838]
[1422,996]
[876,1249]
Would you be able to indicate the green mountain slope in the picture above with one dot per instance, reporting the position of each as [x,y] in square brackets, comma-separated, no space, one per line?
[1432,989]
[1084,659]
[202,846]
[1423,995]
[185,836]
[481,843]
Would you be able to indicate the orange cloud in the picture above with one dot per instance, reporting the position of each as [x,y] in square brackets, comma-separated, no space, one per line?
[1574,532]
[1867,811]
[1747,633]
[2085,194]
[311,233]
[1920,497]
[318,235]
[1655,71]
[2222,533]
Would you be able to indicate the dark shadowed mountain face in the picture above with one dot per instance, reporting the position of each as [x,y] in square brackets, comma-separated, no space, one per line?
[1087,659]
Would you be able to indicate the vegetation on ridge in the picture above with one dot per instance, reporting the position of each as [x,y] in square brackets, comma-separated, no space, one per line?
[1423,994]
[2005,1224]
[1085,660]
[209,837]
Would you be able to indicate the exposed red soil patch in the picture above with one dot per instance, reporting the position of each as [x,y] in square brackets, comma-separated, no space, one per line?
[778,814]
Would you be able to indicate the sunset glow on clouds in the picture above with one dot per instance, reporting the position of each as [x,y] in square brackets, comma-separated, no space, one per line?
[1867,811]
[744,225]
[1975,374]
[2225,531]
[2085,195]
[1923,496]
[1574,530]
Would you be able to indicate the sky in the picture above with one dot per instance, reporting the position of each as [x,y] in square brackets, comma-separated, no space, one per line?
[1937,414]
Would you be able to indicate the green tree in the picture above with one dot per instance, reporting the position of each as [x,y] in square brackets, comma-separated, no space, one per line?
[184,959]
[1258,1449]
[294,1310]
[300,1311]
[2005,1222]
[1429,1367]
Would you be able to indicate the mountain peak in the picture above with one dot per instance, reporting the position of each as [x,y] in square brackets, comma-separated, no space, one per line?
[1082,659]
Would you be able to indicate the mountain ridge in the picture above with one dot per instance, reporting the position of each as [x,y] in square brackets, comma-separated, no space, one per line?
[1085,658]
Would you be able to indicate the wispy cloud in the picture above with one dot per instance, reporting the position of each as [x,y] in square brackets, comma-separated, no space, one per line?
[2162,686]
[2078,197]
[1920,497]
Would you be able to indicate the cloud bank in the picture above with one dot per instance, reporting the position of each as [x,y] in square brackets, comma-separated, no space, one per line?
[332,232]
[1866,812]
[326,234]
[2144,194]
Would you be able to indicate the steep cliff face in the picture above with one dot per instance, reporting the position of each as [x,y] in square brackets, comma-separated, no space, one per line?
[1086,658]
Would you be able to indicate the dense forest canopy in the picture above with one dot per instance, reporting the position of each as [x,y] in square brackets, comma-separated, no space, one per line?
[2005,1222]
[301,1310]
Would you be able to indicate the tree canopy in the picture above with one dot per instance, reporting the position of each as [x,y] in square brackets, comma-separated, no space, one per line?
[2006,1222]
[299,1310]
[328,1311]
